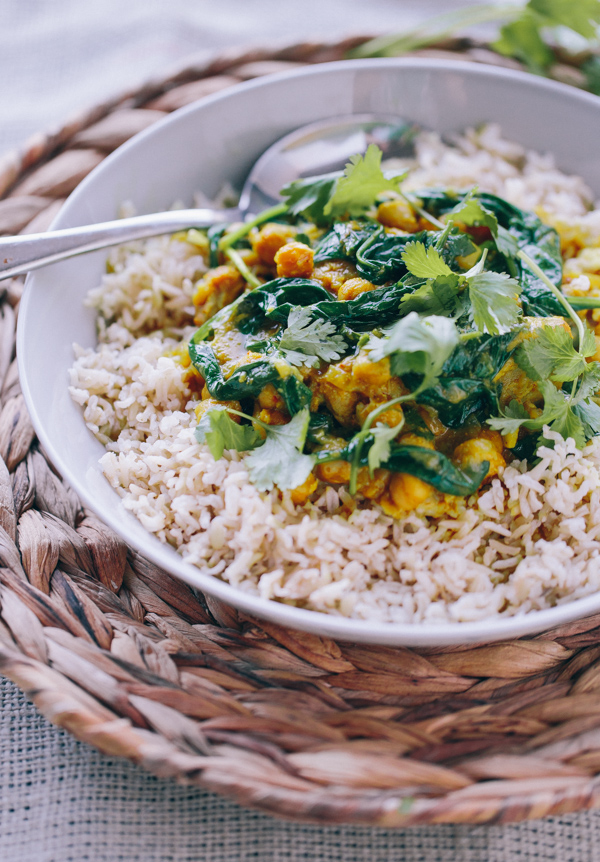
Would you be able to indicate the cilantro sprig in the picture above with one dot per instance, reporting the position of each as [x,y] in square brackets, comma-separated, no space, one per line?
[351,193]
[552,358]
[494,296]
[306,341]
[278,460]
[420,345]
[523,34]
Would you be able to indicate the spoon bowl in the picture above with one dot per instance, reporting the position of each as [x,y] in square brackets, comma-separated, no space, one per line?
[313,149]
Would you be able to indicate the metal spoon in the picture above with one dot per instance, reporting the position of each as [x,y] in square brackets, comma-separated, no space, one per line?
[314,149]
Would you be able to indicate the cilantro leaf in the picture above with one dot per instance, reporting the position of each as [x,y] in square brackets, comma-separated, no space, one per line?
[589,342]
[580,15]
[494,297]
[380,450]
[306,340]
[522,39]
[471,212]
[279,461]
[424,262]
[511,419]
[568,424]
[355,192]
[439,296]
[515,416]
[308,197]
[589,415]
[419,344]
[590,382]
[219,431]
[553,355]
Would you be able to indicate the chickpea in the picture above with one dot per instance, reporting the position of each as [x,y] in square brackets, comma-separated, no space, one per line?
[294,260]
[269,239]
[218,288]
[301,494]
[354,287]
[473,452]
[398,214]
[408,492]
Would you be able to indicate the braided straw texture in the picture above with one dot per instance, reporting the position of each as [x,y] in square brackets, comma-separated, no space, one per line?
[136,664]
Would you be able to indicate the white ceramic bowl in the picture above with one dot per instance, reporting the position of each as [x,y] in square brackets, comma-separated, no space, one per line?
[200,147]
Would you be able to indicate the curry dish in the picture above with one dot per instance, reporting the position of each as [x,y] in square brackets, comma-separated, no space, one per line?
[405,346]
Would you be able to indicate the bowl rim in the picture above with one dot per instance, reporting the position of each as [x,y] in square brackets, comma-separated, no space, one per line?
[421,634]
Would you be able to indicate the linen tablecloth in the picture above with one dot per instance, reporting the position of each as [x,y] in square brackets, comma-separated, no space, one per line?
[61,800]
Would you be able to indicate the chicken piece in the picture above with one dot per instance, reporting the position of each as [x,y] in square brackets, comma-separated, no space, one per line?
[397,213]
[354,287]
[218,288]
[269,239]
[515,385]
[294,260]
[332,274]
[474,452]
[301,494]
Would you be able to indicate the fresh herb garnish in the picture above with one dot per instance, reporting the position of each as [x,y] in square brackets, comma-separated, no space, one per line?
[552,357]
[419,345]
[494,296]
[321,199]
[524,34]
[424,262]
[279,461]
[220,432]
[307,340]
[276,461]
[363,180]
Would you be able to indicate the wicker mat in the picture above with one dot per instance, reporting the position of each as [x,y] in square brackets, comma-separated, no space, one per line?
[132,662]
[73,804]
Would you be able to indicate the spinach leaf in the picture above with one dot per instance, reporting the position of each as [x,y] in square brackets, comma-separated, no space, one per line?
[456,399]
[466,387]
[343,241]
[532,236]
[274,300]
[248,381]
[427,464]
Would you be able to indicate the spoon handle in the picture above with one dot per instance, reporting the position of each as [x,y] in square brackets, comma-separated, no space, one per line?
[20,254]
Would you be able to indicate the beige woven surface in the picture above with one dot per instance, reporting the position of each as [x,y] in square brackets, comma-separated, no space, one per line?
[132,662]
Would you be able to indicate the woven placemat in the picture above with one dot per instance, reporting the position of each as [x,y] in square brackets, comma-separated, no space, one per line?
[136,664]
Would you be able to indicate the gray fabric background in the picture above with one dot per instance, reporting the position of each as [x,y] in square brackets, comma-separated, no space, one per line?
[61,801]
